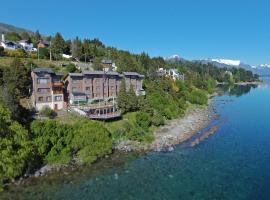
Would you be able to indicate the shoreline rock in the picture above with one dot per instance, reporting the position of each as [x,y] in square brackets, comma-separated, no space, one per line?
[174,132]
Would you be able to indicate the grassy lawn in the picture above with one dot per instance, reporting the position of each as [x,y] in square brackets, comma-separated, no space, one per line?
[6,61]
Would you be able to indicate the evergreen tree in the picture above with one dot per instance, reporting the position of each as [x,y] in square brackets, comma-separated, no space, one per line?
[37,36]
[57,46]
[122,97]
[132,100]
[76,48]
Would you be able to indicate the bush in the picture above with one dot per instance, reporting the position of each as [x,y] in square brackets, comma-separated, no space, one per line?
[198,96]
[19,53]
[91,141]
[143,120]
[157,120]
[2,51]
[70,68]
[15,147]
[58,143]
[47,112]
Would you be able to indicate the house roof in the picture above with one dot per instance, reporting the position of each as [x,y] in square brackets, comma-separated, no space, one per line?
[24,41]
[87,72]
[106,61]
[44,42]
[75,74]
[132,74]
[100,73]
[59,74]
[9,42]
[40,70]
[113,73]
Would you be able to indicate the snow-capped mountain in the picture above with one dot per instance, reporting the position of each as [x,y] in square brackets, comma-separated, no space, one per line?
[263,69]
[263,66]
[174,58]
[227,62]
[222,62]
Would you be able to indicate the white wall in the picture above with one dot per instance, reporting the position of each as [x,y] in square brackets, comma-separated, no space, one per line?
[39,106]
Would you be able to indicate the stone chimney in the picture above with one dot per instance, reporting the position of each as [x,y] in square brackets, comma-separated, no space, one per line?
[3,37]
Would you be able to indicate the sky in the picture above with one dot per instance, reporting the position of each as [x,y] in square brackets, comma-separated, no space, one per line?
[193,29]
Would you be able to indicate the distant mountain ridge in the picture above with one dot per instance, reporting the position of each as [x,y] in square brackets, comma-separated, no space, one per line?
[4,28]
[263,69]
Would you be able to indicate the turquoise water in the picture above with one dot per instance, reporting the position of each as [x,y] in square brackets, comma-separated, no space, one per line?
[232,164]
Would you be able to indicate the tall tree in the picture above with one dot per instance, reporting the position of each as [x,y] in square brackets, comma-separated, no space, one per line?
[57,46]
[122,97]
[132,100]
[76,48]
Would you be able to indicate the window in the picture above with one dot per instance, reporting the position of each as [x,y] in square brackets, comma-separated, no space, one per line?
[48,99]
[40,99]
[87,88]
[74,89]
[58,98]
[43,90]
[42,80]
[76,80]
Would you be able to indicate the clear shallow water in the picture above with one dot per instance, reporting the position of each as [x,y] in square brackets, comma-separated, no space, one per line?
[233,164]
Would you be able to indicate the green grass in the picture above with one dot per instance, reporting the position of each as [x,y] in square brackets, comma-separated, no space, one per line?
[56,65]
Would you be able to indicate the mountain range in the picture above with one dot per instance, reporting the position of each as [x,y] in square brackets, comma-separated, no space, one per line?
[4,28]
[262,69]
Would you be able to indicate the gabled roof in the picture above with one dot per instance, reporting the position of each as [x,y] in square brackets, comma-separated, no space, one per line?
[44,42]
[40,70]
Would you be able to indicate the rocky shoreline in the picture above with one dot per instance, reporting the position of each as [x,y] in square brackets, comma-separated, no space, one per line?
[174,132]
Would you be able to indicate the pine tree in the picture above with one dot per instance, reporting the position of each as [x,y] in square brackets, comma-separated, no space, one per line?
[57,46]
[132,100]
[76,48]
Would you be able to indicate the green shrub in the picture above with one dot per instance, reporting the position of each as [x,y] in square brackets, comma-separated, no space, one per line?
[157,120]
[143,120]
[43,53]
[198,96]
[2,51]
[47,112]
[15,147]
[58,143]
[91,141]
[19,53]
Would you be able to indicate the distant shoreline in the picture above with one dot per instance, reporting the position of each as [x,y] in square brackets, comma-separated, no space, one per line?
[242,83]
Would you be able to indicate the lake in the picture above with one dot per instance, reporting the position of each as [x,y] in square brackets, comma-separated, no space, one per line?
[234,163]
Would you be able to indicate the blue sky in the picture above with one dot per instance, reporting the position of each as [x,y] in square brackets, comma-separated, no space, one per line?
[194,29]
